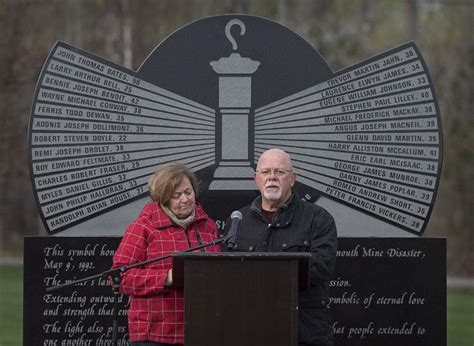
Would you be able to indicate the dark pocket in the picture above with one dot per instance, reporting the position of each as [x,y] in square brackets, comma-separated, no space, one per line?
[314,326]
[300,243]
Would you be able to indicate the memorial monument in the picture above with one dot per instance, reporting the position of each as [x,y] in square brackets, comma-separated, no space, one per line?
[366,143]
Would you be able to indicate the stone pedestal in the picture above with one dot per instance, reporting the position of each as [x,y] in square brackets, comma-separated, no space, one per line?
[235,100]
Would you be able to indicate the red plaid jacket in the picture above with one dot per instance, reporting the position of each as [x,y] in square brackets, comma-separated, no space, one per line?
[156,313]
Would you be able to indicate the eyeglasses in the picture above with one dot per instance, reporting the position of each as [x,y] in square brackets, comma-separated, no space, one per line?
[279,172]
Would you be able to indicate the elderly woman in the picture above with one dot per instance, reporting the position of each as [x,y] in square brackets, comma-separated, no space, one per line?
[173,221]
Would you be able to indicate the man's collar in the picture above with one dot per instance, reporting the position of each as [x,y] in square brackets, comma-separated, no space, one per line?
[288,201]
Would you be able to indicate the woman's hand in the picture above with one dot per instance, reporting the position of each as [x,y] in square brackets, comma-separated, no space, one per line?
[169,278]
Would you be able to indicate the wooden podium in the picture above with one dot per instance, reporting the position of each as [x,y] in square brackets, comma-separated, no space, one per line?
[241,298]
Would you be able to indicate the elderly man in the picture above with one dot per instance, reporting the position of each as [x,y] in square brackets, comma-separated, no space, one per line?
[279,220]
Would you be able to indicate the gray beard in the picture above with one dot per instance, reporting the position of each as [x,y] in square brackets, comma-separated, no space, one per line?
[272,196]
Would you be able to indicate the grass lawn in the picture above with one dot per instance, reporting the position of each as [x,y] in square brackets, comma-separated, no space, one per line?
[460,311]
[11,305]
[460,319]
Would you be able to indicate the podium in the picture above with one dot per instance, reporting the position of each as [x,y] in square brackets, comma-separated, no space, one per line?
[241,298]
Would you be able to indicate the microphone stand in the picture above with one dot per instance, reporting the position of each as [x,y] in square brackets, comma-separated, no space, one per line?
[115,274]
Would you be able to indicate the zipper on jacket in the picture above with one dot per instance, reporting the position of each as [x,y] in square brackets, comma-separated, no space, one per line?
[199,240]
[267,237]
[187,238]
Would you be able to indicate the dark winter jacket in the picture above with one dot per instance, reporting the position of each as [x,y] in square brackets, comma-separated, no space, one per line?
[298,226]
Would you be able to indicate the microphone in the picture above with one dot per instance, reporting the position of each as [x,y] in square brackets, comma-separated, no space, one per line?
[236,217]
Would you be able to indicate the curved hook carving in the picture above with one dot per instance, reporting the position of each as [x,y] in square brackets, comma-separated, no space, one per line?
[228,34]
